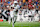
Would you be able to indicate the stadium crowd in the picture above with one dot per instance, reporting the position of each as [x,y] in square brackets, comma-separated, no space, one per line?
[23,4]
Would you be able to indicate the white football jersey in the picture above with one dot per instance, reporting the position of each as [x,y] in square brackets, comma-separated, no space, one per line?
[16,6]
[33,11]
[29,12]
[12,13]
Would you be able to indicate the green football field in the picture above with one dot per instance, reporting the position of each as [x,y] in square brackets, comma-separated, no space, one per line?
[20,24]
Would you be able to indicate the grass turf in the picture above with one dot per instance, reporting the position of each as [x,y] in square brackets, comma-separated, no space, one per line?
[20,24]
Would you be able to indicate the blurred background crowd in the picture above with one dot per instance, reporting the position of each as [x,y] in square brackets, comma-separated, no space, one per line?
[24,4]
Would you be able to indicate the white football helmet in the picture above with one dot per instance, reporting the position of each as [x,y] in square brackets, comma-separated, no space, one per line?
[15,2]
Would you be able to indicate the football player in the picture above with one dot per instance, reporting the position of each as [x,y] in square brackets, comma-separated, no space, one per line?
[14,11]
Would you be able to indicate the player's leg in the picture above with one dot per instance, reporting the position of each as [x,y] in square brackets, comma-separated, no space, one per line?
[9,19]
[13,21]
[11,15]
[15,18]
[29,18]
[32,18]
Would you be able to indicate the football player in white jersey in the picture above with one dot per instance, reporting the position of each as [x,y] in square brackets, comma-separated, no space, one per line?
[14,11]
[29,15]
[33,13]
